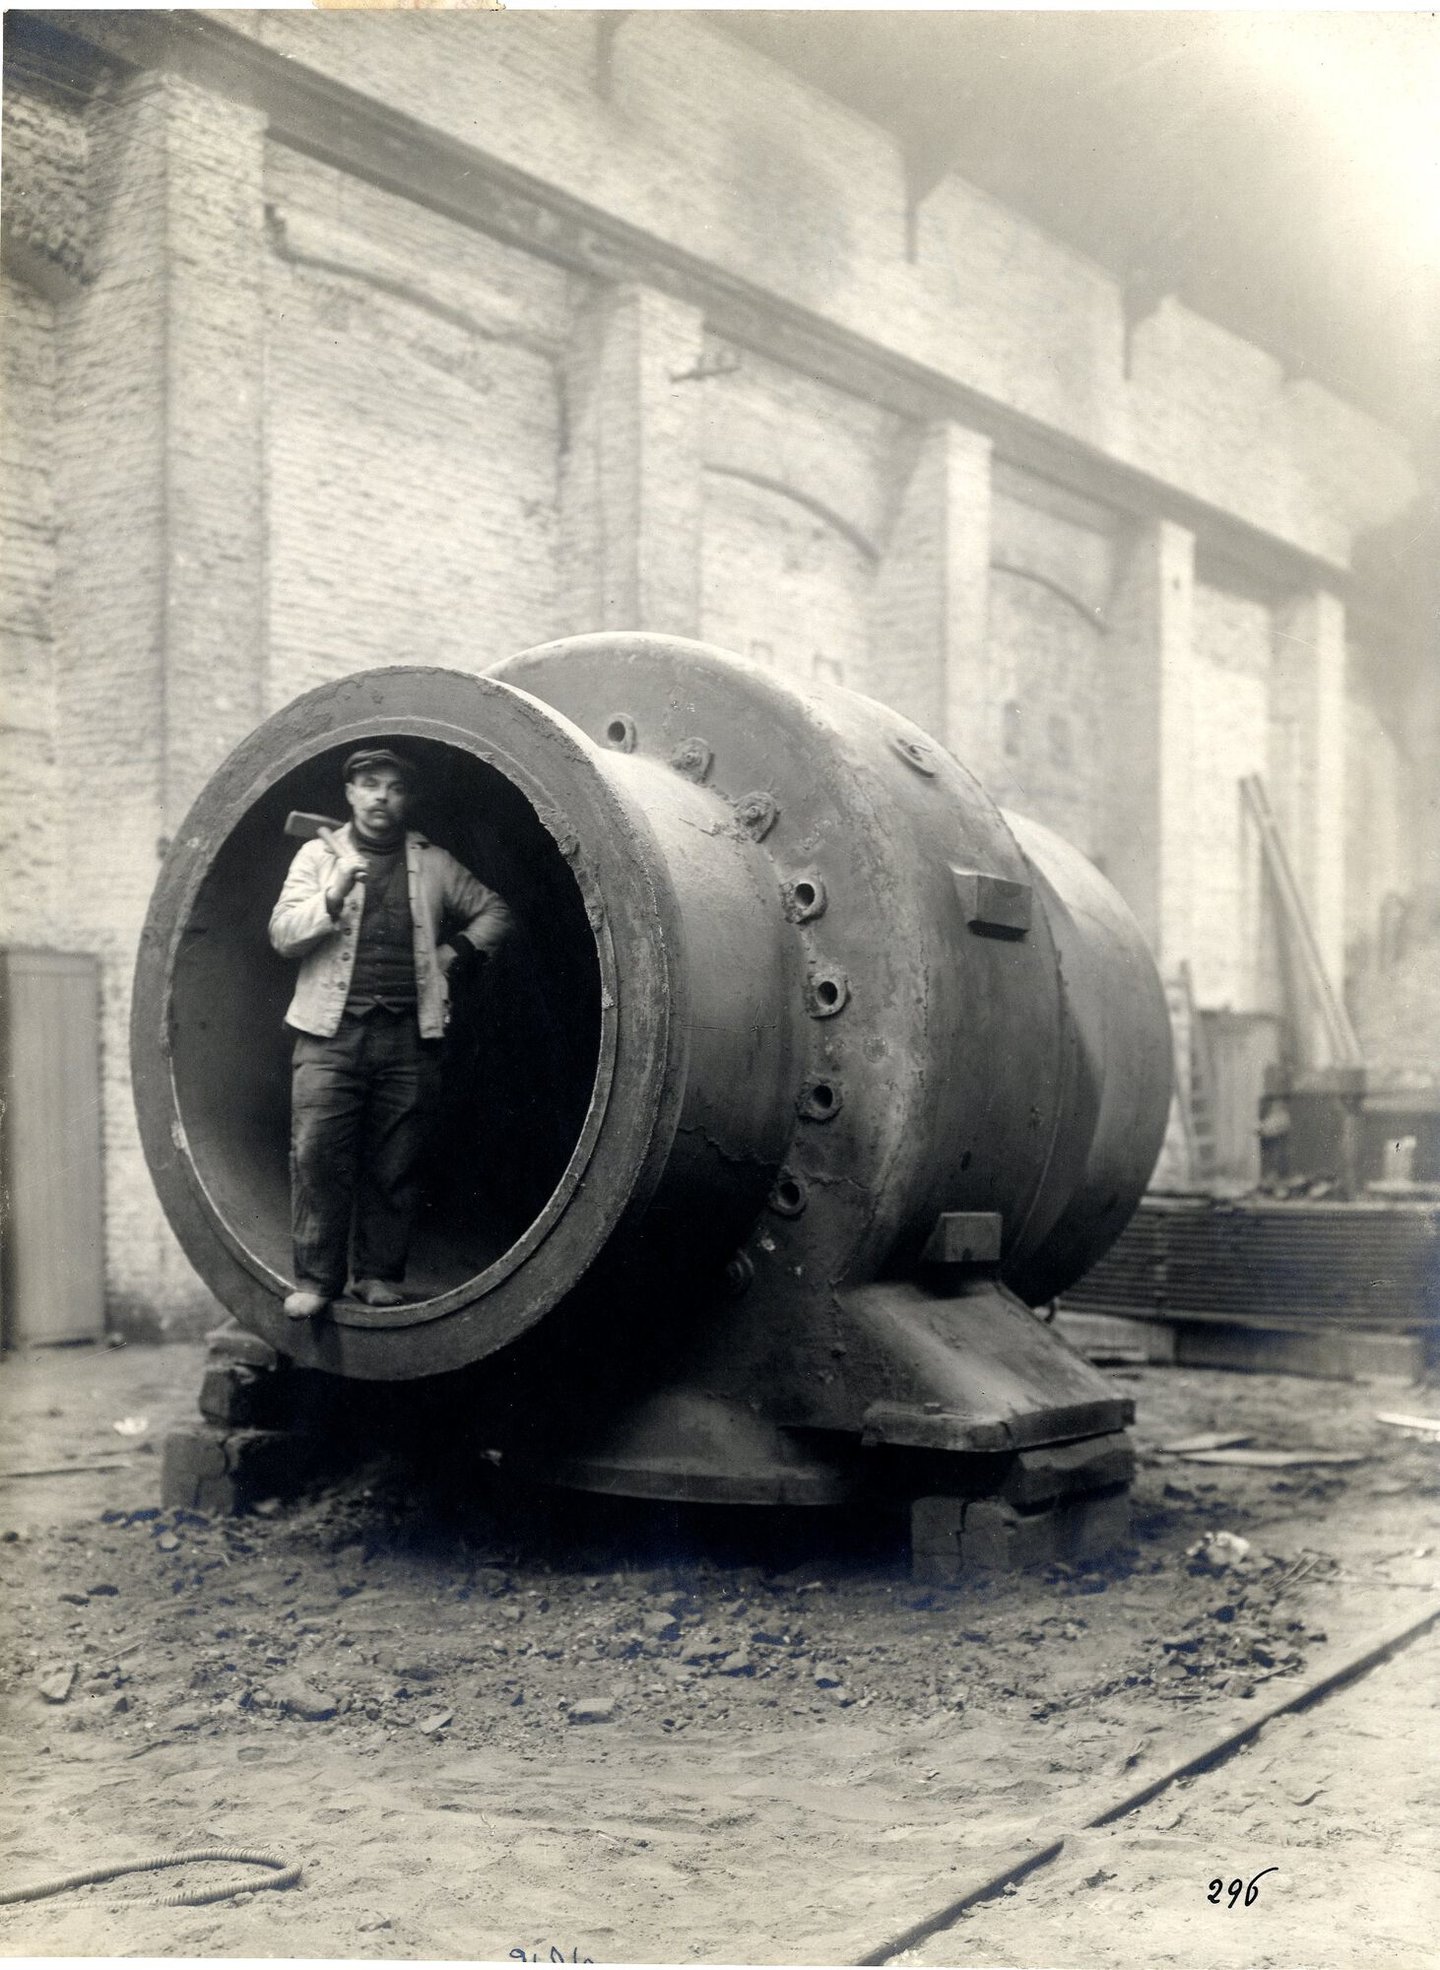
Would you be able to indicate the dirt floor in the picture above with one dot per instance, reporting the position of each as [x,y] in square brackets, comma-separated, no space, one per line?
[797,1753]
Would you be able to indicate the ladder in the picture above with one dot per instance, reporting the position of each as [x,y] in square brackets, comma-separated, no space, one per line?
[1194,1076]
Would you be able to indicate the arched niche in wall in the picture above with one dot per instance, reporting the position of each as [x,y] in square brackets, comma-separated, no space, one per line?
[1052,554]
[1047,664]
[784,581]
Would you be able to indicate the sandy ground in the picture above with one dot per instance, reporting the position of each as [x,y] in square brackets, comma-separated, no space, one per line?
[807,1753]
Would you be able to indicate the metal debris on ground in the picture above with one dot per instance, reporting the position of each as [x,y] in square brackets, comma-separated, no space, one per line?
[69,1470]
[1273,1460]
[1426,1426]
[1206,1440]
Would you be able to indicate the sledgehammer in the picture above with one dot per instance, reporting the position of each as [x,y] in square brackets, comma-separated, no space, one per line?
[309,827]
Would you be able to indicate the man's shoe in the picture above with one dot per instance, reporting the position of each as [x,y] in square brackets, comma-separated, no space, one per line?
[302,1304]
[378,1292]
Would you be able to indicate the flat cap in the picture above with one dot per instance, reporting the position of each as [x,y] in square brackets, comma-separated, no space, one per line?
[372,756]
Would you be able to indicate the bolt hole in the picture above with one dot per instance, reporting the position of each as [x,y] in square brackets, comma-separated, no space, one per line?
[820,1102]
[803,898]
[620,732]
[828,992]
[788,1194]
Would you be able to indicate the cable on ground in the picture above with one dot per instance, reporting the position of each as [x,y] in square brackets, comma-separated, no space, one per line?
[281,1876]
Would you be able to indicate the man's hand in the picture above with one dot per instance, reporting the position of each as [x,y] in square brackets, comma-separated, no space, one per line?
[457,959]
[349,868]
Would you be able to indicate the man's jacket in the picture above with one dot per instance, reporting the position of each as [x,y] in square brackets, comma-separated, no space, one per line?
[443,895]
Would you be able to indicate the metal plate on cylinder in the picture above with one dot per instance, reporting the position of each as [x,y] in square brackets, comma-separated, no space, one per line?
[993,906]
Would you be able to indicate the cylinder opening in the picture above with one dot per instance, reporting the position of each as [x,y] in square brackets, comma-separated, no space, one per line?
[518,1063]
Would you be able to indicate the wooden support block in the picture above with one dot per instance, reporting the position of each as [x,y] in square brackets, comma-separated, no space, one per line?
[231,1393]
[1065,1470]
[935,1526]
[951,1537]
[194,1473]
[281,1398]
[232,1342]
[218,1470]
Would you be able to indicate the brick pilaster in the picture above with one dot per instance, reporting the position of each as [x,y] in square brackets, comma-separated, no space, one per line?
[929,616]
[160,591]
[632,482]
[1149,715]
[1308,698]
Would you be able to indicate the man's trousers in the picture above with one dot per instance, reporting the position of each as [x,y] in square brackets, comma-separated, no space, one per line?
[360,1107]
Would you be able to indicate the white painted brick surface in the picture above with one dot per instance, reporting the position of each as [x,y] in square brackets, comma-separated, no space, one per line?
[1229,717]
[158,617]
[708,146]
[294,426]
[30,795]
[631,503]
[413,431]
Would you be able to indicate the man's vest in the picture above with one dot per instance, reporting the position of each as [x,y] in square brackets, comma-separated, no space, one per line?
[384,972]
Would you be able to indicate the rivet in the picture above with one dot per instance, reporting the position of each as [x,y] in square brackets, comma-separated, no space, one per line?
[692,757]
[739,1274]
[757,813]
[915,753]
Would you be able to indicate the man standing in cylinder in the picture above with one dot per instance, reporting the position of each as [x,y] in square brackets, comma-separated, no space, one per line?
[364,909]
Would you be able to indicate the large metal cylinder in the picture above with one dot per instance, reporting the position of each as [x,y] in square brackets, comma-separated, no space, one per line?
[793,1009]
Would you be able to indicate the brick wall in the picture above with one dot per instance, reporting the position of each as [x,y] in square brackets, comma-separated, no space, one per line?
[158,613]
[1381,799]
[1229,736]
[704,144]
[413,421]
[45,146]
[796,488]
[1393,898]
[31,813]
[267,424]
[46,240]
[1053,572]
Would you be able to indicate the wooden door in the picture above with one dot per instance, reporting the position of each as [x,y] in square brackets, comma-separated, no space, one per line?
[52,1263]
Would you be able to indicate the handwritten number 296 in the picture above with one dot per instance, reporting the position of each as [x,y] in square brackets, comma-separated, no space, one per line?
[1250,1889]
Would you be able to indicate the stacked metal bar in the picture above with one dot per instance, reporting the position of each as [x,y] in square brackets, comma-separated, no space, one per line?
[1260,1262]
